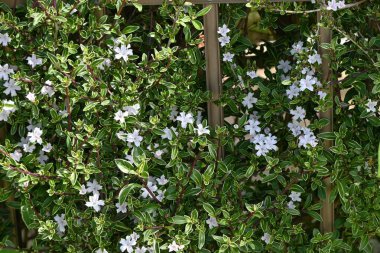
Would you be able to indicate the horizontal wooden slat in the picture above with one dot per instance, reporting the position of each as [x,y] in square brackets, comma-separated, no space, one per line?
[158,2]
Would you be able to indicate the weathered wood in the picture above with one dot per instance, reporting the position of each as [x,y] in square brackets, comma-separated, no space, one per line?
[327,211]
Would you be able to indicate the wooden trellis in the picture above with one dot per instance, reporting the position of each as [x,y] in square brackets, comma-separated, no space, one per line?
[214,79]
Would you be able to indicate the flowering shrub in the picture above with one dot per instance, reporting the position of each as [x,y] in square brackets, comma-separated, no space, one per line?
[108,148]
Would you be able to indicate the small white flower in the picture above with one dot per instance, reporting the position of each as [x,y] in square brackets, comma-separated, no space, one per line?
[252,126]
[47,148]
[228,57]
[266,238]
[129,242]
[307,83]
[299,113]
[11,88]
[291,205]
[224,40]
[60,219]
[31,97]
[293,91]
[34,61]
[28,148]
[16,155]
[5,71]
[119,116]
[249,100]
[4,39]
[212,222]
[295,196]
[175,247]
[35,135]
[42,158]
[297,47]
[123,52]
[95,203]
[162,180]
[168,133]
[202,130]
[94,187]
[83,190]
[284,65]
[173,113]
[121,208]
[334,5]
[315,58]
[160,195]
[135,138]
[185,118]
[152,187]
[223,30]
[106,62]
[252,74]
[131,110]
[371,106]
[322,94]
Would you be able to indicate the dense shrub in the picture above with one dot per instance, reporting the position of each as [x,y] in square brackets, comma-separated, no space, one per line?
[108,148]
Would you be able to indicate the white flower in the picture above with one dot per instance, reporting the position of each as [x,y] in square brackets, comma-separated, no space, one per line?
[212,222]
[61,222]
[295,196]
[168,133]
[224,40]
[106,62]
[291,205]
[42,158]
[131,110]
[152,187]
[223,30]
[160,195]
[119,116]
[252,126]
[307,83]
[284,65]
[34,61]
[228,57]
[299,113]
[175,247]
[121,208]
[101,251]
[316,58]
[158,153]
[4,39]
[266,238]
[82,190]
[134,138]
[16,155]
[48,89]
[308,138]
[94,187]
[202,130]
[185,118]
[140,250]
[35,135]
[322,94]
[252,74]
[129,242]
[47,148]
[295,128]
[371,106]
[123,52]
[5,71]
[199,117]
[334,5]
[297,47]
[293,91]
[95,203]
[28,147]
[11,88]
[162,180]
[31,97]
[249,100]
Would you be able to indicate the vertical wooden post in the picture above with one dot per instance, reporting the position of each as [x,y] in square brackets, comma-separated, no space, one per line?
[327,211]
[213,68]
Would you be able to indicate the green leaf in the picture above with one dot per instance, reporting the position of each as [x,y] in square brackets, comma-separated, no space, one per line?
[363,242]
[28,216]
[130,29]
[315,215]
[293,211]
[178,220]
[297,188]
[197,24]
[209,209]
[378,161]
[125,166]
[327,136]
[201,238]
[269,178]
[204,11]
[126,191]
